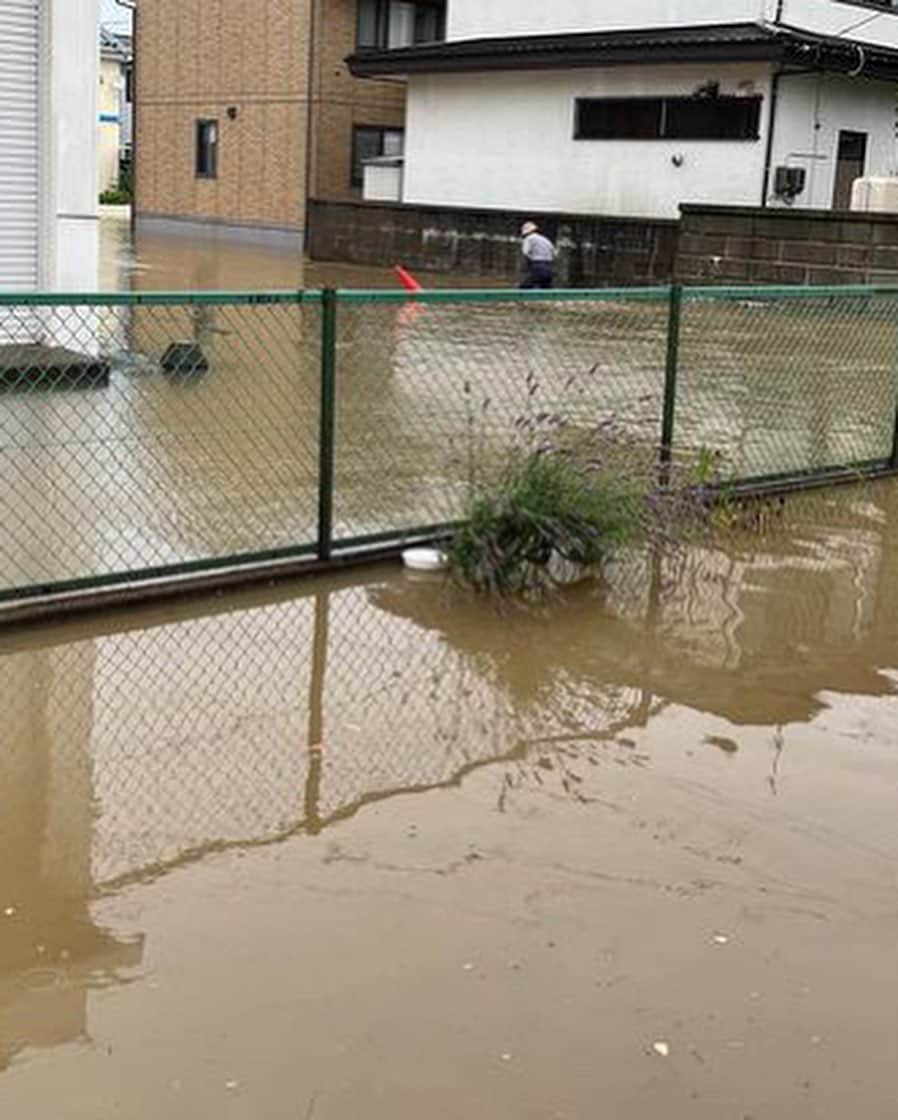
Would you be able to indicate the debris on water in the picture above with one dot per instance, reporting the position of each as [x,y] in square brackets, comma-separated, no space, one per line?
[425,559]
[506,1057]
[728,746]
[232,1085]
[9,912]
[721,939]
[64,955]
[662,1049]
[468,967]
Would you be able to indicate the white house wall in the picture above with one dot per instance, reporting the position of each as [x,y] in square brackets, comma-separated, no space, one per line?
[506,141]
[854,21]
[812,111]
[469,19]
[70,249]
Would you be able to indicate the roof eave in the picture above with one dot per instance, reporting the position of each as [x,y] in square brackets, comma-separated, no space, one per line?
[482,56]
[405,62]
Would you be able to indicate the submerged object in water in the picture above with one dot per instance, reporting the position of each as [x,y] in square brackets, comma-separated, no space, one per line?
[425,560]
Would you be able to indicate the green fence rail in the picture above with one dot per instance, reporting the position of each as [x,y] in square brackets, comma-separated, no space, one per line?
[153,435]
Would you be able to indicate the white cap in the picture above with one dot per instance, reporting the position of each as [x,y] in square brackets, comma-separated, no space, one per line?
[527,228]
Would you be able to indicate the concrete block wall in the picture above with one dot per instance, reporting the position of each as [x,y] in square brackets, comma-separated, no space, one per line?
[738,245]
[594,252]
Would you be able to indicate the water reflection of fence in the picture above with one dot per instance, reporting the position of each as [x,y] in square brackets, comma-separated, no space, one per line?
[131,751]
[289,425]
[202,734]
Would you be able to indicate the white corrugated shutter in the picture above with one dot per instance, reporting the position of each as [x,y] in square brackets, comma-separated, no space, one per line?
[19,144]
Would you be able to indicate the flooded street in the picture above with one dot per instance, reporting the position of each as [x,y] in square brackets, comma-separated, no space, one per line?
[364,846]
[175,261]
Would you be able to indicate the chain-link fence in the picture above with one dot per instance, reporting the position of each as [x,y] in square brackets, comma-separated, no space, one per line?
[153,435]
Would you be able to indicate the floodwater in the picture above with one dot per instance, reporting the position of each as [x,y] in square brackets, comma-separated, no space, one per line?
[365,846]
[177,262]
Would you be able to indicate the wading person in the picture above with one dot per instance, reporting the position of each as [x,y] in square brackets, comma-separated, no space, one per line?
[539,255]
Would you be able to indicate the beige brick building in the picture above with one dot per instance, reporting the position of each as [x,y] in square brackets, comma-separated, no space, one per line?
[246,109]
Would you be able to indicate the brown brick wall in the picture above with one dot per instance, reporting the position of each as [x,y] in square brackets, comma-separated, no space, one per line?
[736,245]
[198,57]
[341,101]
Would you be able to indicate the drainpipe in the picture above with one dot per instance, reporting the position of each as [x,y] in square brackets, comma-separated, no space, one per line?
[774,99]
[131,6]
[771,123]
[771,128]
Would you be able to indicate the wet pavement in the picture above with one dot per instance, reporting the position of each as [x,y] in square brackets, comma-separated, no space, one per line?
[366,846]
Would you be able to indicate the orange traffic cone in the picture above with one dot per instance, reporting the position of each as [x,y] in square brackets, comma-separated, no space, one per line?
[407,280]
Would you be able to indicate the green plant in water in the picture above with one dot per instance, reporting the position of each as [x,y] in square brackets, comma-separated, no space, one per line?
[545,507]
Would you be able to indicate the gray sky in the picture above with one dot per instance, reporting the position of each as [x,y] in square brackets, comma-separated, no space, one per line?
[114,16]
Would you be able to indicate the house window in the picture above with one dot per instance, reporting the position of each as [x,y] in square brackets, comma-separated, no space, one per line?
[668,118]
[372,142]
[207,149]
[384,24]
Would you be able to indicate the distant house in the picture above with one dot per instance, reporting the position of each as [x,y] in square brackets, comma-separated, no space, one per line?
[48,144]
[114,107]
[246,111]
[632,107]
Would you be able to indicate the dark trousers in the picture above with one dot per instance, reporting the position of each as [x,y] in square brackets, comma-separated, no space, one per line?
[540,274]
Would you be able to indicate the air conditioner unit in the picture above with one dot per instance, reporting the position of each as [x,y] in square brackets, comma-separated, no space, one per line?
[789,182]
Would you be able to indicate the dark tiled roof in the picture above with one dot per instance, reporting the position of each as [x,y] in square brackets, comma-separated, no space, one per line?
[730,42]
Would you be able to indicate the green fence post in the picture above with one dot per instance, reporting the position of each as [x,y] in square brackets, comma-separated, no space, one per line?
[893,458]
[674,318]
[327,422]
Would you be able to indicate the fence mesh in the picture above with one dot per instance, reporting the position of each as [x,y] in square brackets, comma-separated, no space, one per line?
[147,435]
[777,384]
[151,433]
[432,396]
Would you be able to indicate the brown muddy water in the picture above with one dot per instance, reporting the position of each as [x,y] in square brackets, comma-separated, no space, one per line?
[177,262]
[367,847]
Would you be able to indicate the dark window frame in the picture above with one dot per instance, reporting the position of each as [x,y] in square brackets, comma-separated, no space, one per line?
[382,23]
[358,180]
[206,168]
[665,108]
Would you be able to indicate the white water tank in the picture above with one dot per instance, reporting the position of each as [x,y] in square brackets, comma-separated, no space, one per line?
[875,194]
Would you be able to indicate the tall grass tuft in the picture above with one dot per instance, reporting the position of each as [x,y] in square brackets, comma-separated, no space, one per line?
[545,508]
